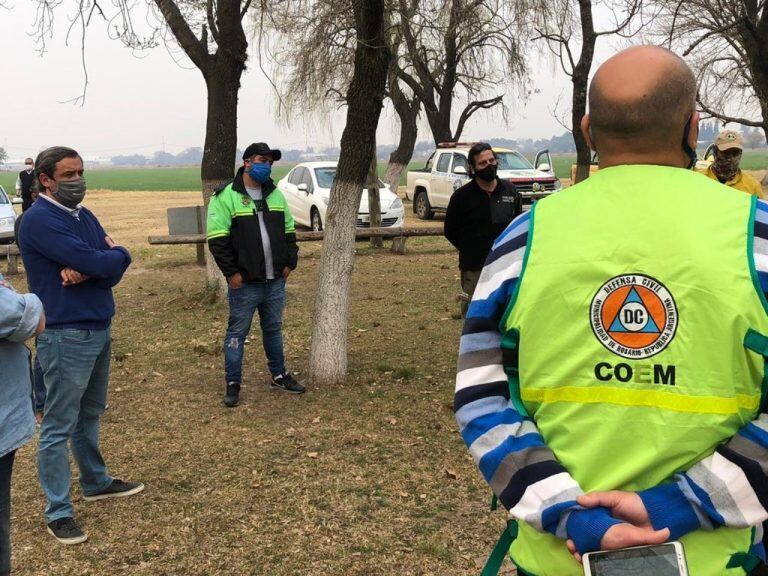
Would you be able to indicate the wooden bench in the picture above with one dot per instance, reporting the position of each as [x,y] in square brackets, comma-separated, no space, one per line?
[398,236]
[13,255]
[188,220]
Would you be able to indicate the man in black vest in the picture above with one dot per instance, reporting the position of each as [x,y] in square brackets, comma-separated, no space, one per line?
[24,183]
[477,213]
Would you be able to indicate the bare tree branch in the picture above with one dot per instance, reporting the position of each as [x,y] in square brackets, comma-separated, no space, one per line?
[473,107]
[729,53]
[728,119]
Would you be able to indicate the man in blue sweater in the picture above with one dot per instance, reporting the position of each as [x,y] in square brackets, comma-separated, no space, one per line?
[71,266]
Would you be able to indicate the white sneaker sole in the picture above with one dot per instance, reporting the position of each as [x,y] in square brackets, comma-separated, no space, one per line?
[69,541]
[130,492]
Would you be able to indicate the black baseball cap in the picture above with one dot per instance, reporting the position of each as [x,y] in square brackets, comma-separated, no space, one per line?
[262,149]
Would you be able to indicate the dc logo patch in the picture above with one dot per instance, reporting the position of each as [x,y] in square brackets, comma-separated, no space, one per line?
[634,316]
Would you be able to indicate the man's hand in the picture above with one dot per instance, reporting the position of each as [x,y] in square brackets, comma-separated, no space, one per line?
[70,277]
[235,281]
[109,241]
[286,273]
[626,506]
[40,325]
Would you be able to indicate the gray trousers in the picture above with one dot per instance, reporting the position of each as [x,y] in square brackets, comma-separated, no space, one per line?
[469,280]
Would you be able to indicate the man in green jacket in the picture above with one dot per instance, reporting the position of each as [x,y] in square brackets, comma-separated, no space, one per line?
[252,237]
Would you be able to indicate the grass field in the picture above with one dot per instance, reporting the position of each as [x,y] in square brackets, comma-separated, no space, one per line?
[154,179]
[366,479]
[188,178]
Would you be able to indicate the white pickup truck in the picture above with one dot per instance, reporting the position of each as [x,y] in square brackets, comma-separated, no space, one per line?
[431,188]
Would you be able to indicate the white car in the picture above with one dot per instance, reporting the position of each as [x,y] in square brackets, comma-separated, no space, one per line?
[307,189]
[7,218]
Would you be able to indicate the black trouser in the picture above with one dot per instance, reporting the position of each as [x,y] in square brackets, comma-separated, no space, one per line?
[6,467]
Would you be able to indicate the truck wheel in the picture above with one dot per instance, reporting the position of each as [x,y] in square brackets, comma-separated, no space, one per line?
[422,207]
[315,220]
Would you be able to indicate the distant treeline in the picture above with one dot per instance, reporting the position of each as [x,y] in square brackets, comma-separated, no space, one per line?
[562,144]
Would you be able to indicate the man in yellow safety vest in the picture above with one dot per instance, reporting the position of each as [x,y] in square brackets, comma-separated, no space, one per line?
[611,366]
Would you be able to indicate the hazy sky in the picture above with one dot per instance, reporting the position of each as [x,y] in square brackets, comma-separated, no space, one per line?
[134,105]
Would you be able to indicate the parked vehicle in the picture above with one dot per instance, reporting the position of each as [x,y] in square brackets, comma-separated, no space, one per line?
[709,157]
[593,167]
[431,188]
[7,218]
[701,163]
[307,189]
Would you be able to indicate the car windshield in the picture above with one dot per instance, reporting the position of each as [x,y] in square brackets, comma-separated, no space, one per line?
[512,161]
[326,175]
[3,197]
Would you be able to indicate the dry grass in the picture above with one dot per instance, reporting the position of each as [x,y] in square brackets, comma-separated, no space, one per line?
[369,478]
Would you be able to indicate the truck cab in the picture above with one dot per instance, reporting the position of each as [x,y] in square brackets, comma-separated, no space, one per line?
[446,170]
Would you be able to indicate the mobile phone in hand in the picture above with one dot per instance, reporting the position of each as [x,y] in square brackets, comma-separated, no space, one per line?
[659,560]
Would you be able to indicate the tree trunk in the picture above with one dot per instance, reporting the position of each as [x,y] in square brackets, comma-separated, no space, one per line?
[580,79]
[401,156]
[440,124]
[328,353]
[374,200]
[217,166]
[579,108]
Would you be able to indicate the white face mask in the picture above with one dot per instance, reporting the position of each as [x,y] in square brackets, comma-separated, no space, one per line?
[29,168]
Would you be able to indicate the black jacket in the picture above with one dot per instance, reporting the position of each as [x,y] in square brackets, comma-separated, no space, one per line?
[474,220]
[234,234]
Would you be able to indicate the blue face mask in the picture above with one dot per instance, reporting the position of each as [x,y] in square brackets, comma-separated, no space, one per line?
[260,172]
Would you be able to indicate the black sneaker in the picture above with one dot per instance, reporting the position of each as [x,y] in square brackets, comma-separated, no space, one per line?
[117,489]
[287,383]
[232,395]
[66,531]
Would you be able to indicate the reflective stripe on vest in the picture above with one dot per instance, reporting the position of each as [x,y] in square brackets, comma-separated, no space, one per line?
[631,312]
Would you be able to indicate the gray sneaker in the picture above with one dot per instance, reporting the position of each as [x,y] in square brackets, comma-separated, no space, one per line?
[287,383]
[66,531]
[117,489]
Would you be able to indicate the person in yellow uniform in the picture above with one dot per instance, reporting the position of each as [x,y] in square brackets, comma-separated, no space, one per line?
[725,169]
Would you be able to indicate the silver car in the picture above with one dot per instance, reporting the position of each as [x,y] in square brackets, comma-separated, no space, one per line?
[7,218]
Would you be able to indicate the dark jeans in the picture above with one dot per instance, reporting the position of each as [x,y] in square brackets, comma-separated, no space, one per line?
[6,467]
[38,386]
[269,299]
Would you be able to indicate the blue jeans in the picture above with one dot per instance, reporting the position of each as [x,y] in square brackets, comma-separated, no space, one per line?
[6,468]
[75,367]
[269,299]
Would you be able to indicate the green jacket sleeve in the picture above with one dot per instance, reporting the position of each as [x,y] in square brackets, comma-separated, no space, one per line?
[219,222]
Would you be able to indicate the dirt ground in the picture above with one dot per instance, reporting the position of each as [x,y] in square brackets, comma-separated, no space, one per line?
[368,478]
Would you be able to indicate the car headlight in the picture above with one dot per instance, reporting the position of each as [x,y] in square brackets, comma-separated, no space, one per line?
[558,185]
[396,203]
